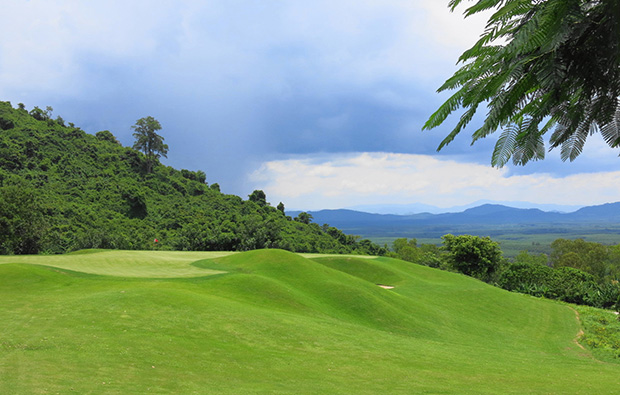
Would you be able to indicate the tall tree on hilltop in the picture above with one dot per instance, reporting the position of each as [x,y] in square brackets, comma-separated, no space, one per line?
[258,197]
[540,65]
[148,141]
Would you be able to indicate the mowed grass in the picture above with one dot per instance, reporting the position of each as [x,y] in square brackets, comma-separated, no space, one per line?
[275,322]
[149,264]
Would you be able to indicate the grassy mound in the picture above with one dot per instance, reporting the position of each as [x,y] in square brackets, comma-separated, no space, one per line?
[274,322]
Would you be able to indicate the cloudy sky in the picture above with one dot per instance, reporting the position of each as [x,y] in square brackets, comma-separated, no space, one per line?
[320,104]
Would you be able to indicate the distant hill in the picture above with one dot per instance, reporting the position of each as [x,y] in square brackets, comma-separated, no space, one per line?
[483,217]
[414,208]
[609,212]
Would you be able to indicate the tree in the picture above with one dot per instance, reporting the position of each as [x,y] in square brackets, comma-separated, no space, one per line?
[580,254]
[41,115]
[530,277]
[474,256]
[281,207]
[407,250]
[201,176]
[367,247]
[539,66]
[106,135]
[148,141]
[22,219]
[304,218]
[258,197]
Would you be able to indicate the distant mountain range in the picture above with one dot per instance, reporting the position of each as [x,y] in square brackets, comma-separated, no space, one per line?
[486,216]
[414,208]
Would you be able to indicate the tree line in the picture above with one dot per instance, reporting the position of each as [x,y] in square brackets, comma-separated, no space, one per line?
[576,271]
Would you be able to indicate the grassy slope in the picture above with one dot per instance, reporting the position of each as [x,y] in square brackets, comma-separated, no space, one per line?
[279,322]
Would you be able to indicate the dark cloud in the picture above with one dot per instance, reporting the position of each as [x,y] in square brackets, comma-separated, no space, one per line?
[345,122]
[235,86]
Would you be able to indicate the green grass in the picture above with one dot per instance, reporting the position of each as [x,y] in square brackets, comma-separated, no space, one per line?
[275,322]
[149,264]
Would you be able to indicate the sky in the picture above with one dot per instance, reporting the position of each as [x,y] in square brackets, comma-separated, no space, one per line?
[319,104]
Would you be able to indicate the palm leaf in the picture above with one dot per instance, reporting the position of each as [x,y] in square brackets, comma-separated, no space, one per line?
[561,62]
[443,111]
[611,130]
[505,146]
[529,143]
[573,145]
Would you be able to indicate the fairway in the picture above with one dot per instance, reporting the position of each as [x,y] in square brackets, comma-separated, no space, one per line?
[270,321]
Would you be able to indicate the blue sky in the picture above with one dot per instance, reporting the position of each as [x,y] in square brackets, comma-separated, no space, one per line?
[320,104]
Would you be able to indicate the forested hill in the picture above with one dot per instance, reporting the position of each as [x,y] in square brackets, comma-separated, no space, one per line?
[63,189]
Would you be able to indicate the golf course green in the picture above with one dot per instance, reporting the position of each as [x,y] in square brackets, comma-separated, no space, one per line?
[270,321]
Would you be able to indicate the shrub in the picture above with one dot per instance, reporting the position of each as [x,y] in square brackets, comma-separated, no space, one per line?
[530,278]
[474,256]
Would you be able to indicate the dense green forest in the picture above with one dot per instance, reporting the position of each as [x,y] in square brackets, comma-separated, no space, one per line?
[64,189]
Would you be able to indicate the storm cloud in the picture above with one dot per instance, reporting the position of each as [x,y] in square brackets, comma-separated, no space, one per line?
[240,84]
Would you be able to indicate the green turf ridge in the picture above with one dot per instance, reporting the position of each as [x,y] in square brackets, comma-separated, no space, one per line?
[271,322]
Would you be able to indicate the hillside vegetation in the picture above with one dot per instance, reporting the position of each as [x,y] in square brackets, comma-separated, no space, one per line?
[270,321]
[577,271]
[63,189]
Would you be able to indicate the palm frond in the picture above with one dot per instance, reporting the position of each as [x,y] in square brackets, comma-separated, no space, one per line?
[573,145]
[463,121]
[560,66]
[505,146]
[611,131]
[511,10]
[451,105]
[482,5]
[529,143]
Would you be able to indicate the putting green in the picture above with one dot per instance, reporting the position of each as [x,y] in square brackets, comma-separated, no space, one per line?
[145,264]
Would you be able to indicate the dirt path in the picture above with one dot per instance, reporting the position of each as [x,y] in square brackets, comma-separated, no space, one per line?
[576,339]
